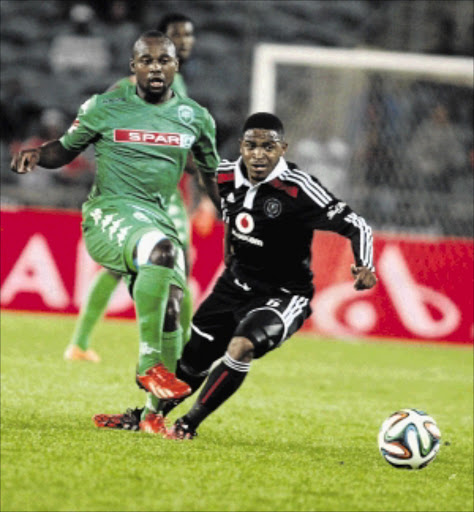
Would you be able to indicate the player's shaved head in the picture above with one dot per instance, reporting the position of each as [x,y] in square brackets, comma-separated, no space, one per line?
[264,121]
[144,40]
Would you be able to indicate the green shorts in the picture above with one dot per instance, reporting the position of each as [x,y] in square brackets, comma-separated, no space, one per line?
[112,228]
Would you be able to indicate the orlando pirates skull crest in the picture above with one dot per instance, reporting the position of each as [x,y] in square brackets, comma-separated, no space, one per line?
[272,208]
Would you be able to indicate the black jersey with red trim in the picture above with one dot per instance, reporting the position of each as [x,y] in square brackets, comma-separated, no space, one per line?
[271,225]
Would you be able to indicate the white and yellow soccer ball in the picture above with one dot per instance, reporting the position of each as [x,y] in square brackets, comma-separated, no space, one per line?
[409,439]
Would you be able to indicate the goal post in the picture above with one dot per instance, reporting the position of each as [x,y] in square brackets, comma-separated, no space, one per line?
[390,132]
[456,70]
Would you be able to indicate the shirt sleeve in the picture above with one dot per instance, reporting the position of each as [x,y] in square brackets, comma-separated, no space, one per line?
[84,129]
[325,212]
[204,149]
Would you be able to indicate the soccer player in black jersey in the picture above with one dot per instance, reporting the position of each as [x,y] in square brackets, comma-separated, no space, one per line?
[271,210]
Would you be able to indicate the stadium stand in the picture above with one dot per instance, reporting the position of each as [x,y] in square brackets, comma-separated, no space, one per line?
[219,74]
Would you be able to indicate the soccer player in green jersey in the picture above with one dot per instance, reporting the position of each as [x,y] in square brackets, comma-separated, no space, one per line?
[142,137]
[180,29]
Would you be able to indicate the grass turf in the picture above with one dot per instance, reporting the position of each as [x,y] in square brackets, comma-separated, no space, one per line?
[299,435]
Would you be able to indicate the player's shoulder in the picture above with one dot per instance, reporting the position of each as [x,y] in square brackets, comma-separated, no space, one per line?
[226,171]
[191,108]
[226,174]
[308,186]
[113,96]
[100,102]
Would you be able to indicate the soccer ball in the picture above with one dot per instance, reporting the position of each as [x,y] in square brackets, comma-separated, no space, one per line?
[409,439]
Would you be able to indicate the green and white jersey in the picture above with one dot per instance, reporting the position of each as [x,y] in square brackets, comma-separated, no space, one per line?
[140,148]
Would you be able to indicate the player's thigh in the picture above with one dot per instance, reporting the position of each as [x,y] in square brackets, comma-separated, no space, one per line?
[211,331]
[268,322]
[112,231]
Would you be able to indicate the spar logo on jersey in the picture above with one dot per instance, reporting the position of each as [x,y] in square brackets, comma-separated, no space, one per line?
[181,140]
[244,223]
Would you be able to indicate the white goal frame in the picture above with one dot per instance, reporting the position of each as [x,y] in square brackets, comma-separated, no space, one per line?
[454,70]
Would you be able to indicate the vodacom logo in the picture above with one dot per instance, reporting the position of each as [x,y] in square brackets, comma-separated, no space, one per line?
[340,310]
[244,223]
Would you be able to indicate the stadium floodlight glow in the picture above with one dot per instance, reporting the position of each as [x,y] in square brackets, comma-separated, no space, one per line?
[458,70]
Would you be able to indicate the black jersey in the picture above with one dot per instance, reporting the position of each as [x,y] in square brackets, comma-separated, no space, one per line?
[271,226]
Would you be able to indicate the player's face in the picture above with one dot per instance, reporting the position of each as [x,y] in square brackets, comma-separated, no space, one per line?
[154,64]
[182,35]
[261,150]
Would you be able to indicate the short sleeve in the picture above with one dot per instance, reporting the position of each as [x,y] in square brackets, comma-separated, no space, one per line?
[85,127]
[204,149]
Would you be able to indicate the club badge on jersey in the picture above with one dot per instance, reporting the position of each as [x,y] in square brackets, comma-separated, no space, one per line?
[272,208]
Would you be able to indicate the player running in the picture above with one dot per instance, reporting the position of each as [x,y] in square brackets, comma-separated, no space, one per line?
[180,30]
[271,210]
[142,137]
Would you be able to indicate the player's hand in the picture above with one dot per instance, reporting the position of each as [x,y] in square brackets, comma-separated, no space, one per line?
[25,161]
[364,278]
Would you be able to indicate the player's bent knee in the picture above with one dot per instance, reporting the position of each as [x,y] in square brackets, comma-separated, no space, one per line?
[164,254]
[154,248]
[241,349]
[264,328]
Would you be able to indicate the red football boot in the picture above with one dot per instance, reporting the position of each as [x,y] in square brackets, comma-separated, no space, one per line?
[130,420]
[154,424]
[163,384]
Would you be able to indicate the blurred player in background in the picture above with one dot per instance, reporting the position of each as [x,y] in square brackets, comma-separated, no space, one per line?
[271,210]
[180,29]
[142,136]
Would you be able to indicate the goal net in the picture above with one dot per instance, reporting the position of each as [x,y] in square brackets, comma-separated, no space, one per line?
[389,132]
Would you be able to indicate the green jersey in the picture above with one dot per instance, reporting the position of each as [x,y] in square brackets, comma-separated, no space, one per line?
[140,148]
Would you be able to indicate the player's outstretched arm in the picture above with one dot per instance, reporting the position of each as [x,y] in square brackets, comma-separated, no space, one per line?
[364,278]
[209,182]
[51,155]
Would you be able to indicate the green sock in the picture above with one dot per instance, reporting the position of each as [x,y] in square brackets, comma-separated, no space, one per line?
[171,349]
[151,292]
[186,314]
[92,310]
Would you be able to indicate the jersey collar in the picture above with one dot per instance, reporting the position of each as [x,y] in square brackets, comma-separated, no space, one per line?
[240,179]
[134,96]
[251,193]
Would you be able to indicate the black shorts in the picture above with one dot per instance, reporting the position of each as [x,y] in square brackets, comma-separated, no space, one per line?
[228,304]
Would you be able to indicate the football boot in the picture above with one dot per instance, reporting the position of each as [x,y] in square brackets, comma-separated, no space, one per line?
[130,420]
[75,353]
[154,424]
[162,383]
[181,430]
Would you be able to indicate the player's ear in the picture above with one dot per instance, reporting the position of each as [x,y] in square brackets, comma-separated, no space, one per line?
[132,66]
[284,146]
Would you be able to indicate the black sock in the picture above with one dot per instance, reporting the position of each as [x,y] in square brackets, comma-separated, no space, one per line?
[221,384]
[192,379]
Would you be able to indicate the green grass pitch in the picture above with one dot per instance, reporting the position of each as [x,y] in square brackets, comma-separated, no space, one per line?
[301,433]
